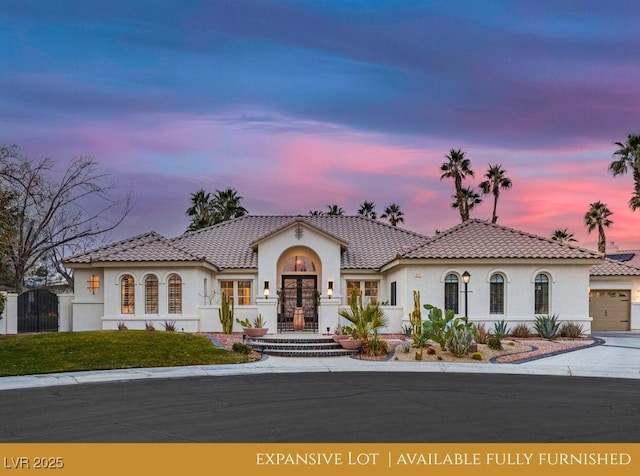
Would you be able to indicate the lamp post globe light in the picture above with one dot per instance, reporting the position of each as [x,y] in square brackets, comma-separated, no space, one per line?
[465,278]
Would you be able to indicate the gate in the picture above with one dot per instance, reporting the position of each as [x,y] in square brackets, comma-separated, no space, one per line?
[299,292]
[37,311]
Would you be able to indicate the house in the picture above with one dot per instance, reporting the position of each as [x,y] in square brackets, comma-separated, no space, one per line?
[273,265]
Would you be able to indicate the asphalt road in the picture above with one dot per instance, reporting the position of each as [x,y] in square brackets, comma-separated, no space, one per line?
[328,407]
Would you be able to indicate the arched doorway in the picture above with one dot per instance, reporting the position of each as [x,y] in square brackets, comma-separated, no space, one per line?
[299,293]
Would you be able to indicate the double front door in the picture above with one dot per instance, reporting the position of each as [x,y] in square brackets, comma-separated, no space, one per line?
[299,292]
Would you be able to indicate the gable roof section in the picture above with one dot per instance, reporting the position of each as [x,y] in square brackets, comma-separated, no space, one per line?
[147,247]
[612,267]
[369,243]
[293,223]
[484,240]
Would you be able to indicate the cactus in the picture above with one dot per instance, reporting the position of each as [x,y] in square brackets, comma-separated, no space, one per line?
[476,356]
[415,317]
[226,314]
[459,340]
[406,347]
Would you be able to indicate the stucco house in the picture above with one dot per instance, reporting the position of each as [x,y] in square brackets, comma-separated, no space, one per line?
[273,265]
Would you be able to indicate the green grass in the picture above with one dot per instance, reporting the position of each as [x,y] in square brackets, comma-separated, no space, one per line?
[102,350]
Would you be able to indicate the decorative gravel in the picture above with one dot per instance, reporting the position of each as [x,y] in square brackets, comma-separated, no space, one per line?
[541,348]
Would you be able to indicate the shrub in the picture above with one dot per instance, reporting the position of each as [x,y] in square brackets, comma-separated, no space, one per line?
[241,348]
[406,347]
[521,330]
[3,302]
[459,340]
[149,326]
[481,333]
[169,326]
[571,330]
[122,326]
[376,346]
[495,342]
[500,328]
[476,356]
[547,326]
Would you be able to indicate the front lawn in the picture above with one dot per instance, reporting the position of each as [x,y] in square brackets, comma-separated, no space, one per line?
[102,350]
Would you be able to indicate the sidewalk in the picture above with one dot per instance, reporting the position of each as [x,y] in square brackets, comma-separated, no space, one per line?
[618,357]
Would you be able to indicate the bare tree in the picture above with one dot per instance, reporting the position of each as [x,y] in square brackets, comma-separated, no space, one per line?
[51,212]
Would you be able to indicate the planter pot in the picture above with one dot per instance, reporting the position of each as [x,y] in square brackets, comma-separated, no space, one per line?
[255,331]
[351,344]
[338,338]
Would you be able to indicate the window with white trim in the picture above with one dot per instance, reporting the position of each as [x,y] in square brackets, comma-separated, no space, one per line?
[367,289]
[175,294]
[451,293]
[541,294]
[238,290]
[151,294]
[127,295]
[496,294]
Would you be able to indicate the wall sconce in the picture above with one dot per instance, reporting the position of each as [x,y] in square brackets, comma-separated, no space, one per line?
[266,289]
[94,284]
[330,289]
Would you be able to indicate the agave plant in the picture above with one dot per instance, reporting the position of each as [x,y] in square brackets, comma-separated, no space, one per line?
[365,320]
[547,326]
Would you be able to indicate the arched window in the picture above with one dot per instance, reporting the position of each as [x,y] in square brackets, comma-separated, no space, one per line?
[127,295]
[299,264]
[451,292]
[175,294]
[541,294]
[496,294]
[151,295]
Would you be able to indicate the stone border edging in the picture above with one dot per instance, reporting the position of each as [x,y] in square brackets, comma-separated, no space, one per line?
[596,341]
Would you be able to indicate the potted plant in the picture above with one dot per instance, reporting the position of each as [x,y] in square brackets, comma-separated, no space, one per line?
[341,332]
[255,329]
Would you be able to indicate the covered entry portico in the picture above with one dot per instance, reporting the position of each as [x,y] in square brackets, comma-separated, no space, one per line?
[303,261]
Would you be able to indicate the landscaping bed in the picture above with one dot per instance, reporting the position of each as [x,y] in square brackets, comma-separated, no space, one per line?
[513,351]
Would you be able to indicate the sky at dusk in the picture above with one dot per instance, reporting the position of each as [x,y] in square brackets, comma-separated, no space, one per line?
[302,104]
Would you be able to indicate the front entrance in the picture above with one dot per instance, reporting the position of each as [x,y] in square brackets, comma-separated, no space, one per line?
[299,292]
[610,310]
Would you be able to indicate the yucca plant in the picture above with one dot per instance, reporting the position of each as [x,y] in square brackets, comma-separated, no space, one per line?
[547,326]
[365,320]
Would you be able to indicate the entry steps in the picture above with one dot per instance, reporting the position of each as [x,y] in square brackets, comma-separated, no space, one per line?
[298,345]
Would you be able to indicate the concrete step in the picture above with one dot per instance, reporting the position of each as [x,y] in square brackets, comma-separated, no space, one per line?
[299,346]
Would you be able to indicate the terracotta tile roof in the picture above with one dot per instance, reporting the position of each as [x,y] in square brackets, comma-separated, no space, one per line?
[370,243]
[612,267]
[147,247]
[480,239]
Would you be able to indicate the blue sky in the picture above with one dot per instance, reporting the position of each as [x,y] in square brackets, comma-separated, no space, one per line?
[301,104]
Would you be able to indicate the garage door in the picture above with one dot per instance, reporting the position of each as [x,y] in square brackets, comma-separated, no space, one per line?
[610,309]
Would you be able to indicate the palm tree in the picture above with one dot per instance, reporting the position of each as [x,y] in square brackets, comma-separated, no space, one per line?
[335,210]
[200,210]
[226,205]
[469,200]
[458,167]
[316,213]
[629,158]
[563,236]
[367,210]
[393,214]
[496,180]
[598,216]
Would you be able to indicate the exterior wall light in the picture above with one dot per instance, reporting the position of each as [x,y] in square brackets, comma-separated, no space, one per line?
[266,289]
[94,283]
[330,289]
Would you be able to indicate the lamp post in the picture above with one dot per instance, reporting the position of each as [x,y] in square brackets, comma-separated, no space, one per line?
[465,278]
